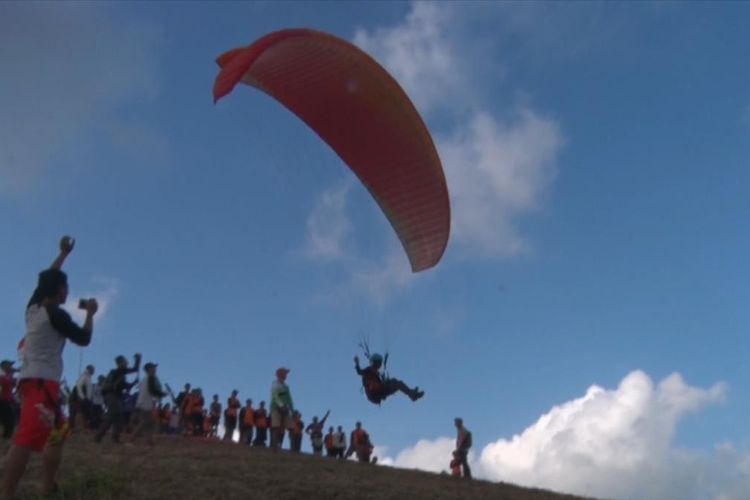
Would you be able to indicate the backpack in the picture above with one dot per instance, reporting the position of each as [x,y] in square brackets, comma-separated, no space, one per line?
[467,440]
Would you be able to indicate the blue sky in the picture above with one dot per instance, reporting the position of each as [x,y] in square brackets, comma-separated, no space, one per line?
[596,155]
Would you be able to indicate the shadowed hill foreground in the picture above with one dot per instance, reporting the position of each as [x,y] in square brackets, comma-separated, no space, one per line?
[197,469]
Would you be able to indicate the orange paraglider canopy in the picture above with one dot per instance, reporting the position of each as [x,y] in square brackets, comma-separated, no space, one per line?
[356,107]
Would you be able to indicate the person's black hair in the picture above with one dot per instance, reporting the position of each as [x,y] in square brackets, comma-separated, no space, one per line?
[49,284]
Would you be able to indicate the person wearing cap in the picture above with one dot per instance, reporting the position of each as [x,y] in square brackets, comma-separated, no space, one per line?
[282,408]
[230,415]
[377,386]
[7,398]
[80,398]
[114,391]
[42,425]
[149,394]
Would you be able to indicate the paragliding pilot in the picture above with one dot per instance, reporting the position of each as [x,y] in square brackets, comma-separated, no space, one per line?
[379,386]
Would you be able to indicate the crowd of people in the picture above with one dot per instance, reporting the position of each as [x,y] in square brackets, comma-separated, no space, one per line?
[33,400]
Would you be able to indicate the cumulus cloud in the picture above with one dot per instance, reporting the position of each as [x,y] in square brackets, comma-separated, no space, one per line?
[104,290]
[67,70]
[421,55]
[379,280]
[497,167]
[609,443]
[328,225]
[432,456]
[496,173]
[606,442]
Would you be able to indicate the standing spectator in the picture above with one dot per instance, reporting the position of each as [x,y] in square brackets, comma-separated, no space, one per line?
[180,401]
[295,433]
[230,416]
[247,421]
[463,445]
[329,444]
[339,442]
[115,390]
[149,394]
[97,403]
[81,398]
[215,416]
[42,425]
[7,398]
[360,444]
[197,413]
[282,408]
[315,431]
[261,425]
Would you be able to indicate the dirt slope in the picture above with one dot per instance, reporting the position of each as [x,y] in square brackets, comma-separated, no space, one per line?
[196,469]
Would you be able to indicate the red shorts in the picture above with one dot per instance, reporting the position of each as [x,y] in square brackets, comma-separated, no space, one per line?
[41,420]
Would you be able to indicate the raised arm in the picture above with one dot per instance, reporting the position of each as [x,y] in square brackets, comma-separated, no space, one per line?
[66,246]
[356,366]
[322,422]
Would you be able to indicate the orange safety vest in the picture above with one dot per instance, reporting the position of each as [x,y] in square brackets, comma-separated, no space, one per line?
[260,419]
[358,437]
[233,405]
[329,441]
[187,404]
[196,405]
[249,417]
[297,422]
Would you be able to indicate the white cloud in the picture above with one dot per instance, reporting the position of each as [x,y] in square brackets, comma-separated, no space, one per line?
[497,168]
[420,55]
[609,443]
[378,281]
[328,225]
[105,291]
[432,456]
[68,68]
[497,172]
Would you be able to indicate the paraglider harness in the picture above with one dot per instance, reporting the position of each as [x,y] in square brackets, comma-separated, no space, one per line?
[373,382]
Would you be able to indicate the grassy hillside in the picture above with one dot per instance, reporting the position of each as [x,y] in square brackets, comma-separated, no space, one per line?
[196,469]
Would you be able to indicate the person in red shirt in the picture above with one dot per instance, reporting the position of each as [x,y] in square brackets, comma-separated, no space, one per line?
[7,399]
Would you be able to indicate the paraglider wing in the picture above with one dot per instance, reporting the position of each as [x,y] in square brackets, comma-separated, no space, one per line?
[356,107]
